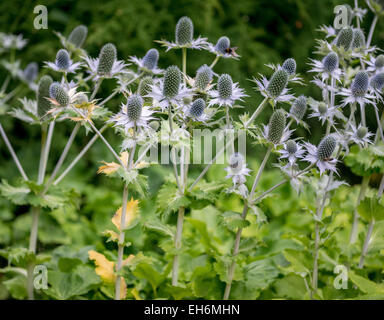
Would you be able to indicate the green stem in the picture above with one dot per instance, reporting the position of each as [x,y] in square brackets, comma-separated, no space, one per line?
[177,243]
[214,62]
[366,244]
[96,88]
[371,30]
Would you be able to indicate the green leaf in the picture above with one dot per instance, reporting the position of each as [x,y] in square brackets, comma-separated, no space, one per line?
[170,200]
[370,208]
[365,285]
[17,287]
[156,225]
[233,220]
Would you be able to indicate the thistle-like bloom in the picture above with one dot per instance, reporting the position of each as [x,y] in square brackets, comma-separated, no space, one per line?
[275,89]
[289,65]
[30,73]
[43,104]
[276,131]
[149,62]
[184,37]
[11,41]
[78,35]
[292,151]
[321,111]
[223,48]
[360,135]
[237,169]
[169,91]
[203,78]
[63,63]
[59,94]
[321,155]
[377,85]
[358,92]
[227,92]
[145,88]
[358,39]
[196,111]
[298,109]
[345,38]
[375,64]
[328,67]
[133,114]
[106,65]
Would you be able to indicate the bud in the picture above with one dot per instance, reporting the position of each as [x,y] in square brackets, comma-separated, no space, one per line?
[277,83]
[322,108]
[299,107]
[360,84]
[377,81]
[197,108]
[78,36]
[358,39]
[81,98]
[203,77]
[291,146]
[43,105]
[331,62]
[184,31]
[107,58]
[289,65]
[154,125]
[172,81]
[224,86]
[30,72]
[62,59]
[276,126]
[222,45]
[345,38]
[57,92]
[326,148]
[361,132]
[236,162]
[379,62]
[150,59]
[134,107]
[145,88]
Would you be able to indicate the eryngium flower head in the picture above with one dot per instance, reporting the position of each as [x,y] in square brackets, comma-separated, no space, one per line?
[358,39]
[289,65]
[107,58]
[184,31]
[78,36]
[203,77]
[30,72]
[361,132]
[150,59]
[345,38]
[291,146]
[331,62]
[197,108]
[222,45]
[277,83]
[145,87]
[62,59]
[377,81]
[326,147]
[236,162]
[360,84]
[379,62]
[299,107]
[43,105]
[134,107]
[224,86]
[81,98]
[276,126]
[57,92]
[172,81]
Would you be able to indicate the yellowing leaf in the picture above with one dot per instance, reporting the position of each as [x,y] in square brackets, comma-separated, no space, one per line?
[135,294]
[111,167]
[130,216]
[141,165]
[104,267]
[112,235]
[128,260]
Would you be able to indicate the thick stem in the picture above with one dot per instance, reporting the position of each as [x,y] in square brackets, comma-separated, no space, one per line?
[354,230]
[371,30]
[259,172]
[362,113]
[366,244]
[80,155]
[13,154]
[178,237]
[45,155]
[96,88]
[184,54]
[258,110]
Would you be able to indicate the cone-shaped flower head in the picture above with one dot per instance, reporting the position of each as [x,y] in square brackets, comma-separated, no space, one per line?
[277,83]
[43,105]
[377,82]
[379,62]
[361,132]
[107,58]
[236,162]
[289,65]
[358,39]
[30,72]
[223,44]
[197,108]
[78,36]
[331,62]
[345,38]
[150,59]
[172,81]
[203,77]
[326,148]
[299,107]
[291,146]
[57,92]
[322,108]
[62,59]
[134,107]
[360,84]
[224,86]
[184,31]
[276,126]
[145,87]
